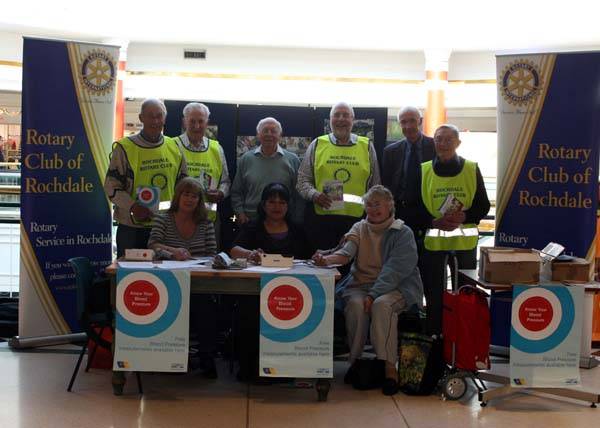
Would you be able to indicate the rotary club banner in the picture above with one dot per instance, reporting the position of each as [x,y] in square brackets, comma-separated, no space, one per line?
[68,104]
[296,326]
[152,320]
[548,143]
[545,336]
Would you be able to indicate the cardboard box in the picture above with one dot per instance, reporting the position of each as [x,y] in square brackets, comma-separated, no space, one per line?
[576,270]
[502,265]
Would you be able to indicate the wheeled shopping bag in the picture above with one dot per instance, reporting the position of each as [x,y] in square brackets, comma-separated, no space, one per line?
[466,333]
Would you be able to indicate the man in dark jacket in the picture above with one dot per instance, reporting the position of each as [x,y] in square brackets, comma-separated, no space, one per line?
[401,164]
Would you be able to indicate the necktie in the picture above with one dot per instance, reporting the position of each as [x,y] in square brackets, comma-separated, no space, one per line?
[410,179]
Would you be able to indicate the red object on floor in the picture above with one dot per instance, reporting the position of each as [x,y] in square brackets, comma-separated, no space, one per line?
[103,358]
[466,324]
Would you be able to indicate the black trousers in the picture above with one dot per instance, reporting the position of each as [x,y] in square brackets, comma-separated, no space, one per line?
[247,337]
[131,237]
[203,322]
[434,274]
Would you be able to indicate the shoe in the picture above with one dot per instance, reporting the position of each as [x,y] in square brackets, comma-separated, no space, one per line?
[350,375]
[389,387]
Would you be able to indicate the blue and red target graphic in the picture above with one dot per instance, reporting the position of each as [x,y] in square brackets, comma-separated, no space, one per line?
[148,196]
[291,307]
[542,318]
[147,302]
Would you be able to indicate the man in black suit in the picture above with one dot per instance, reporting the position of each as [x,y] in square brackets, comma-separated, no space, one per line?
[401,166]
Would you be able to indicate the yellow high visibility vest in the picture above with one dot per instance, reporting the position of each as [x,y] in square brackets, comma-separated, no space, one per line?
[434,190]
[205,162]
[348,164]
[155,167]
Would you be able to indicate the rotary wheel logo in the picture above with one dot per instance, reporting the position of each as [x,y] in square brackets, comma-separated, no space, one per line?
[98,72]
[342,175]
[160,181]
[521,82]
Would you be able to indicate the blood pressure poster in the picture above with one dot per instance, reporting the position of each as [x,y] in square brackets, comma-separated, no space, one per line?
[296,326]
[152,320]
[545,336]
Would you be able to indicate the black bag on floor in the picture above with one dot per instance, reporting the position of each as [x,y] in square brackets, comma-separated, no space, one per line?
[368,373]
[421,363]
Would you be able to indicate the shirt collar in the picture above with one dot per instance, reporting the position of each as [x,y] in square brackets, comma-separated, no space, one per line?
[188,144]
[258,151]
[353,138]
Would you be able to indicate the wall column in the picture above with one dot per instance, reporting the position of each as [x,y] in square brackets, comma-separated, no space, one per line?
[436,75]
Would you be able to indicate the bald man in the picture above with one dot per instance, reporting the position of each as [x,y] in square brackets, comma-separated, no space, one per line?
[401,164]
[147,160]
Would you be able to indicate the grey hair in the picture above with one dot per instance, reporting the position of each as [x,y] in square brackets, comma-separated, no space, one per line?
[153,101]
[383,192]
[451,127]
[341,104]
[263,122]
[196,106]
[409,109]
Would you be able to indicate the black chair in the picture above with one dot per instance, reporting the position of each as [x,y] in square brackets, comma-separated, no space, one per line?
[94,310]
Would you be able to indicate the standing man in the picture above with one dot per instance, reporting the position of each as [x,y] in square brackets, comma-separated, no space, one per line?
[452,201]
[338,164]
[143,170]
[268,163]
[401,166]
[205,159]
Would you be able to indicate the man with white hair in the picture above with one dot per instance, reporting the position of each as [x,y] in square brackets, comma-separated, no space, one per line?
[143,171]
[402,162]
[339,162]
[267,163]
[205,157]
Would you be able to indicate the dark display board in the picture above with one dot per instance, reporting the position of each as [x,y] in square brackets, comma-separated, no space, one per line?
[235,128]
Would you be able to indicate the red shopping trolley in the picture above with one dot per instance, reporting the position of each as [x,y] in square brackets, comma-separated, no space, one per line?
[466,332]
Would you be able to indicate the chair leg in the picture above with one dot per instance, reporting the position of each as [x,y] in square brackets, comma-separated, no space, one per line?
[93,354]
[83,349]
[233,333]
[139,382]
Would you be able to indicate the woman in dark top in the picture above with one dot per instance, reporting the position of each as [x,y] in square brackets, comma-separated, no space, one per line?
[272,233]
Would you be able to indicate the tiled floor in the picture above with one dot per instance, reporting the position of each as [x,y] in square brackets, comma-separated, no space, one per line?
[33,394]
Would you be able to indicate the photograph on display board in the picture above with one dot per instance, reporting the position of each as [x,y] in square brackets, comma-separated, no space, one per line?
[361,127]
[296,145]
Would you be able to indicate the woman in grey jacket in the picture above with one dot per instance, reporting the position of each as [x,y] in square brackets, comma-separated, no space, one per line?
[384,280]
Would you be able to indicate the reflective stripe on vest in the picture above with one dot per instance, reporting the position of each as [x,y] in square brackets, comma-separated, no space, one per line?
[348,164]
[209,162]
[434,190]
[153,167]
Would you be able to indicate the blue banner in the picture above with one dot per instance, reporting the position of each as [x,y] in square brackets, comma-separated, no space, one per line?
[548,145]
[68,114]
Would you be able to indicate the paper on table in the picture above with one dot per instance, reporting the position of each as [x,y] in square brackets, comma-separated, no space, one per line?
[137,265]
[262,269]
[176,264]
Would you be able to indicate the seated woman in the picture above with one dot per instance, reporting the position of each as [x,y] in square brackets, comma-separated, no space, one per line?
[181,233]
[384,280]
[272,233]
